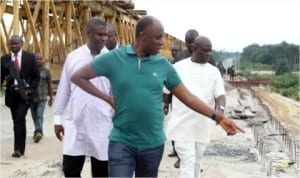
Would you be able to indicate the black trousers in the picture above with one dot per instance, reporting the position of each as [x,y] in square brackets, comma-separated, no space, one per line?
[72,166]
[18,111]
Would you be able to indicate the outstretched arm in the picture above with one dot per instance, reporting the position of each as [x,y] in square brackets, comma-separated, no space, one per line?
[81,78]
[193,102]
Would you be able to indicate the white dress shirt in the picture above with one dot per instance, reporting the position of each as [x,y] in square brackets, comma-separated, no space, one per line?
[88,121]
[204,81]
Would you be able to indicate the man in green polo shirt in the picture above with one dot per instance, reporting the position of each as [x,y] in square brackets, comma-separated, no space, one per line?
[136,86]
[137,75]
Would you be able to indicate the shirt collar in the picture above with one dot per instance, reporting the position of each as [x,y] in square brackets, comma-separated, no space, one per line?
[102,51]
[19,53]
[130,49]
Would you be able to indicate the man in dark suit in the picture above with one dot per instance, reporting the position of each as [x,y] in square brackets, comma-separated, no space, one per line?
[21,73]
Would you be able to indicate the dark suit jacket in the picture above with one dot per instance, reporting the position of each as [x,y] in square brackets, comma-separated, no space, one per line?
[29,72]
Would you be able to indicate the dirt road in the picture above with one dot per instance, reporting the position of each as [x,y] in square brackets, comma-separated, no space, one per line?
[286,110]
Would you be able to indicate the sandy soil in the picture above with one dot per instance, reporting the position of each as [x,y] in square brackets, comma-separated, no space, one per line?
[283,108]
[44,159]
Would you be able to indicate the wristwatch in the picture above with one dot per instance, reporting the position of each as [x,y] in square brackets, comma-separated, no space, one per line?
[214,117]
[222,108]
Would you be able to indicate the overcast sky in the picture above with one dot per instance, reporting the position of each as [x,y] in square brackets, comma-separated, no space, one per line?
[230,24]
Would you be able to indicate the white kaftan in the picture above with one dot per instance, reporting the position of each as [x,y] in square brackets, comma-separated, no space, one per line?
[88,121]
[204,81]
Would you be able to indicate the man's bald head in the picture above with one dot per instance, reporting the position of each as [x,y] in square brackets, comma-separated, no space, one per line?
[202,49]
[144,23]
[149,36]
[202,41]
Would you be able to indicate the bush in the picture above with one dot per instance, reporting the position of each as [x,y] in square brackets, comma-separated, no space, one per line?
[287,85]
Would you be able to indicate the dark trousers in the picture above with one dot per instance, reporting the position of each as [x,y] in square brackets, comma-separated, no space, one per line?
[18,111]
[72,166]
[125,161]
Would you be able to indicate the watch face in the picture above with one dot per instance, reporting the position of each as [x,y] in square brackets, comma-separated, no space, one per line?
[222,108]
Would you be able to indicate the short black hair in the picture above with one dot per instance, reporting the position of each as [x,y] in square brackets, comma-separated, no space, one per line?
[143,23]
[17,37]
[95,21]
[191,33]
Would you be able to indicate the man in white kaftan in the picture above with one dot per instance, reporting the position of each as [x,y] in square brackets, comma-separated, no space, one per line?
[190,130]
[88,121]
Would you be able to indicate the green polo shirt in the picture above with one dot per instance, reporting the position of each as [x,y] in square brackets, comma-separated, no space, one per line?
[137,87]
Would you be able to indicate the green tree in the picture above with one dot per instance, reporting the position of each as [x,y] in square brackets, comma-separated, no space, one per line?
[282,67]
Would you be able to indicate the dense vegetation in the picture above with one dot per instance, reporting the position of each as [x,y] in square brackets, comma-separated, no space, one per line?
[287,84]
[222,55]
[281,58]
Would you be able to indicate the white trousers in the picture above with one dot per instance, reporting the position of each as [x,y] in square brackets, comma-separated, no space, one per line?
[191,155]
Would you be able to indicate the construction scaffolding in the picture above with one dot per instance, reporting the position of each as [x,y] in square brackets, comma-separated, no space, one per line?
[56,27]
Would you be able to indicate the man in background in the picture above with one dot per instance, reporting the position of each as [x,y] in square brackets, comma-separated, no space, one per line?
[175,49]
[21,73]
[190,36]
[112,40]
[38,103]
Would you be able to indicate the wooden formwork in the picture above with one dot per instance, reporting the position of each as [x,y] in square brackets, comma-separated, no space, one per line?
[56,27]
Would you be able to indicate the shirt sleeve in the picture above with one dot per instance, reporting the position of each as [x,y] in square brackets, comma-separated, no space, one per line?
[102,65]
[173,79]
[62,95]
[48,76]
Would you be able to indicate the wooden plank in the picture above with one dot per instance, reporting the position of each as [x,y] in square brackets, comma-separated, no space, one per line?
[45,30]
[3,44]
[2,9]
[31,27]
[34,17]
[15,25]
[4,30]
[68,27]
[57,26]
[77,26]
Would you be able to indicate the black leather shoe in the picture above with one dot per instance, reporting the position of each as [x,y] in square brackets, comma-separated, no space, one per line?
[16,154]
[172,154]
